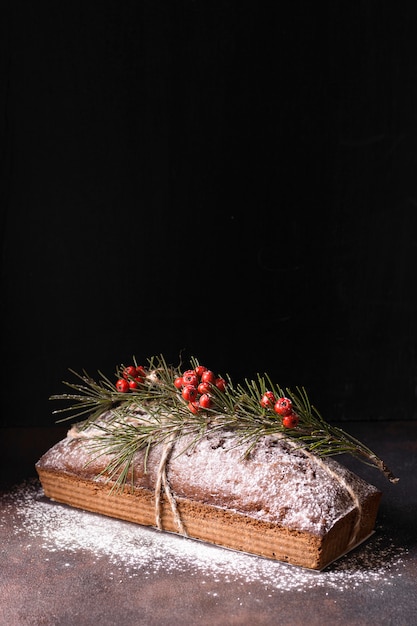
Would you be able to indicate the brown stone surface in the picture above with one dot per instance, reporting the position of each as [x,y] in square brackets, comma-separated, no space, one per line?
[375,584]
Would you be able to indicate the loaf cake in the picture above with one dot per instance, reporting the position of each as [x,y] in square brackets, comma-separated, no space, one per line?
[265,492]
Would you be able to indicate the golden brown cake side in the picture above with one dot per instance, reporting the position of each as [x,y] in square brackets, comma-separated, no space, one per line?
[277,503]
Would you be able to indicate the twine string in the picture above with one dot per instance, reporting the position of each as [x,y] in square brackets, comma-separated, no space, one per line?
[162,486]
[353,495]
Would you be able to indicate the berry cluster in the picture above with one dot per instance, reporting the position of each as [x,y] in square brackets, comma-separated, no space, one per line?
[282,407]
[133,377]
[196,387]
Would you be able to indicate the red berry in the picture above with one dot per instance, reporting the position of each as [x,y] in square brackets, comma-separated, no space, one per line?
[291,420]
[122,385]
[205,401]
[283,406]
[220,384]
[190,378]
[204,387]
[199,370]
[140,372]
[268,400]
[189,393]
[208,377]
[134,384]
[178,382]
[129,372]
[194,407]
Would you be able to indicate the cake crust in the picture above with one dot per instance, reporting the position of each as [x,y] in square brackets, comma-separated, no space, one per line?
[276,502]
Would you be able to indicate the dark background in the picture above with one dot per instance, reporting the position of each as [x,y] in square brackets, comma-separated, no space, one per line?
[230,180]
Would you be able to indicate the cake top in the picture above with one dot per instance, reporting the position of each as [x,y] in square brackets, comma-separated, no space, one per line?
[274,483]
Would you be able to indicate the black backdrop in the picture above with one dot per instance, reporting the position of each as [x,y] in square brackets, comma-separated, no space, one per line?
[229,180]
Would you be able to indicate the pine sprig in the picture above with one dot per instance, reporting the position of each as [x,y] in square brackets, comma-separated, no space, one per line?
[156,411]
[92,398]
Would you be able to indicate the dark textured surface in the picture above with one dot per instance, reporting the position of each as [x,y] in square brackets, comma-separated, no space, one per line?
[74,587]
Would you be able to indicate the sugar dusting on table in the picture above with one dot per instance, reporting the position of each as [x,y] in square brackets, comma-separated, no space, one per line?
[138,551]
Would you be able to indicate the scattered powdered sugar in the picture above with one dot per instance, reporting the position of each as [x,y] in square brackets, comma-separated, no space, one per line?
[139,551]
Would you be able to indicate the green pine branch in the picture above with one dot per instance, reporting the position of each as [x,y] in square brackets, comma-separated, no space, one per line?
[161,412]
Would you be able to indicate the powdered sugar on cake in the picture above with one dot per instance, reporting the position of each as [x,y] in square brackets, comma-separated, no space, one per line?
[276,484]
[282,485]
